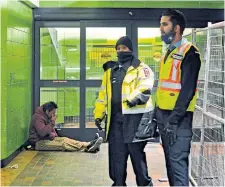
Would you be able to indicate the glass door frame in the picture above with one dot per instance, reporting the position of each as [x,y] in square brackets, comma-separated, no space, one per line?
[38,83]
[142,24]
[90,132]
[81,133]
[138,23]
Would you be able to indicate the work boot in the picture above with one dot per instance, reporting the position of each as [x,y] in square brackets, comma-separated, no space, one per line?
[94,145]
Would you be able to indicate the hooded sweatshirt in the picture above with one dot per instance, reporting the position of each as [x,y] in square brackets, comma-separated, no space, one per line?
[41,127]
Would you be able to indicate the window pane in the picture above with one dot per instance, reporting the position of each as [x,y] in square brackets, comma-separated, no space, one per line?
[100,44]
[150,47]
[68,101]
[60,53]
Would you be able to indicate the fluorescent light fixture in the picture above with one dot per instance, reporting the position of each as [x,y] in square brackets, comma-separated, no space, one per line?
[112,33]
[72,49]
[70,70]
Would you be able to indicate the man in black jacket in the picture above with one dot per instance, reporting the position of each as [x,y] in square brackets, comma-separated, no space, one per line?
[176,96]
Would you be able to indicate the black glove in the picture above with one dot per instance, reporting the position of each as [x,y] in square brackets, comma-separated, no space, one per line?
[130,103]
[98,123]
[171,133]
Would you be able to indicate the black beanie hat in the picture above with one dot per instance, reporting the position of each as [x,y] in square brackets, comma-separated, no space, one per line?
[125,40]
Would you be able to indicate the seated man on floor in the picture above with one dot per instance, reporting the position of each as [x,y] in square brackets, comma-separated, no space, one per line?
[43,136]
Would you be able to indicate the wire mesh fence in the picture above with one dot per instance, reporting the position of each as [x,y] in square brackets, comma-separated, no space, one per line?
[207,153]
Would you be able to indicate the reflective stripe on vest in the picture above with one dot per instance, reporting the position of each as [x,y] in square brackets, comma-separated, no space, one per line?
[173,82]
[176,63]
[170,85]
[139,110]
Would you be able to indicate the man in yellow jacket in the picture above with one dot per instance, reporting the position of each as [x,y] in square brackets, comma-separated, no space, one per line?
[176,96]
[124,96]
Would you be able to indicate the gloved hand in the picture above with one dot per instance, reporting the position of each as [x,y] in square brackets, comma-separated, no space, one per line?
[171,133]
[98,123]
[130,103]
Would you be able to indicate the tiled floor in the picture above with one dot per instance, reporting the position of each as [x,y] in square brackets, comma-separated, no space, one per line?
[22,160]
[75,168]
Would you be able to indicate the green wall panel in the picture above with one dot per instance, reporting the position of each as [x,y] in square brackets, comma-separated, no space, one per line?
[16,64]
[3,5]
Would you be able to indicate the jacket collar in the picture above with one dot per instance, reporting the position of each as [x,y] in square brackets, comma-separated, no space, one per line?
[135,62]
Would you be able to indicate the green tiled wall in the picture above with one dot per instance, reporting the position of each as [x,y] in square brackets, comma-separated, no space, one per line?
[16,64]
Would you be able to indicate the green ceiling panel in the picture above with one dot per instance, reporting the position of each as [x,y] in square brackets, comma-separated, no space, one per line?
[136,4]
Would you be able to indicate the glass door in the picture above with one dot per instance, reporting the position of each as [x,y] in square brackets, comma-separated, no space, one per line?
[100,40]
[68,70]
[57,72]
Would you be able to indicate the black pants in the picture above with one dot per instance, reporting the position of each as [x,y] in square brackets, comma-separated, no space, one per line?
[176,156]
[118,155]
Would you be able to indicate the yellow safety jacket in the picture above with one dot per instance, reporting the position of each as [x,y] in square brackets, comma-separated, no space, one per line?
[169,84]
[137,80]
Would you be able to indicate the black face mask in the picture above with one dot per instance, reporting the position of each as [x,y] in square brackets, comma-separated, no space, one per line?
[168,37]
[124,56]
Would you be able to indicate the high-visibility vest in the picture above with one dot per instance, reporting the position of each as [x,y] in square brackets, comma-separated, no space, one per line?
[136,81]
[169,84]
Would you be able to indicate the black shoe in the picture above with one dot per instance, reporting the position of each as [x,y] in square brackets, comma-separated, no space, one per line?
[94,145]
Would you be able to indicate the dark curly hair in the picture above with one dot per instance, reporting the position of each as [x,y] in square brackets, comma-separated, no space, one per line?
[49,106]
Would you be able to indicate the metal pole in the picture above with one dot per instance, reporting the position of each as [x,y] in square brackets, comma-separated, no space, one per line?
[204,106]
[223,116]
[193,36]
[201,152]
[191,179]
[223,56]
[207,69]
